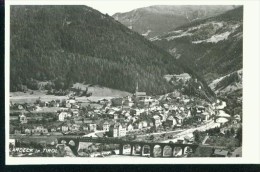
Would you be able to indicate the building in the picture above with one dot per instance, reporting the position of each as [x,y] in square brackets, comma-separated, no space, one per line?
[17,131]
[27,131]
[171,121]
[179,119]
[144,124]
[130,127]
[23,119]
[63,116]
[64,128]
[106,126]
[117,130]
[39,130]
[138,125]
[156,120]
[75,127]
[92,127]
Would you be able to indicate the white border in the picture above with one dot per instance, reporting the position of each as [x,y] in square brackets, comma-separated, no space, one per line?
[251,94]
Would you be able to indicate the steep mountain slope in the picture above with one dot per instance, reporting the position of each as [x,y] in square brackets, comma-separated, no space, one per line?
[212,47]
[228,83]
[159,19]
[69,44]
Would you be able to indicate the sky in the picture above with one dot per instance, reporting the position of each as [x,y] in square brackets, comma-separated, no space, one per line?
[113,6]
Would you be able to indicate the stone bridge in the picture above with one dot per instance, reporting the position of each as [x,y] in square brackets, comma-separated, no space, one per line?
[73,143]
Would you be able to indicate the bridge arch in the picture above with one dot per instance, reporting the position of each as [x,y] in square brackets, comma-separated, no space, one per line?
[187,150]
[63,142]
[137,149]
[146,150]
[157,150]
[177,151]
[72,143]
[127,148]
[167,151]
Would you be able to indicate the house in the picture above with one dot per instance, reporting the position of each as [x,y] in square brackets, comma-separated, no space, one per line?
[140,95]
[200,109]
[106,126]
[75,127]
[17,131]
[28,131]
[75,106]
[85,127]
[78,121]
[53,129]
[39,130]
[87,120]
[68,105]
[92,127]
[20,107]
[156,120]
[179,119]
[63,116]
[75,112]
[171,121]
[150,124]
[202,116]
[130,127]
[138,125]
[206,116]
[220,153]
[237,117]
[144,124]
[64,128]
[23,119]
[234,121]
[117,130]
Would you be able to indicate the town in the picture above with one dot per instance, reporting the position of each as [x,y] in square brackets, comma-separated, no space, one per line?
[169,118]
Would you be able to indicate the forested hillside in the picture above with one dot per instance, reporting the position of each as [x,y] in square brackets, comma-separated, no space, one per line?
[212,47]
[69,44]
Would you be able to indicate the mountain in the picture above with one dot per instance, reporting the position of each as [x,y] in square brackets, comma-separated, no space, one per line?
[228,83]
[159,19]
[212,47]
[69,44]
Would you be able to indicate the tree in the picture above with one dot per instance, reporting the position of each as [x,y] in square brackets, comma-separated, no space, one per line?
[239,135]
[232,131]
[228,133]
[196,136]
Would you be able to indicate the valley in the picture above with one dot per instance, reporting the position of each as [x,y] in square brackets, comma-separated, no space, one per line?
[158,74]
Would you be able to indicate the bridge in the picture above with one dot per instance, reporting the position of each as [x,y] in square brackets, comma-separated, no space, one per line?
[73,143]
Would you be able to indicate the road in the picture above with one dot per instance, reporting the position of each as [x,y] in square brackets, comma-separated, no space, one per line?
[189,132]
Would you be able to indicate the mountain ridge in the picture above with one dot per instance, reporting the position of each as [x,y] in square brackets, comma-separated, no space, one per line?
[159,19]
[69,44]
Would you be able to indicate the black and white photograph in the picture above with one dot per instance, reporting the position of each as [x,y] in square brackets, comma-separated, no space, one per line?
[136,81]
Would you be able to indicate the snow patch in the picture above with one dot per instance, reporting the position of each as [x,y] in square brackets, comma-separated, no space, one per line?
[214,38]
[178,36]
[183,76]
[216,25]
[155,38]
[146,33]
